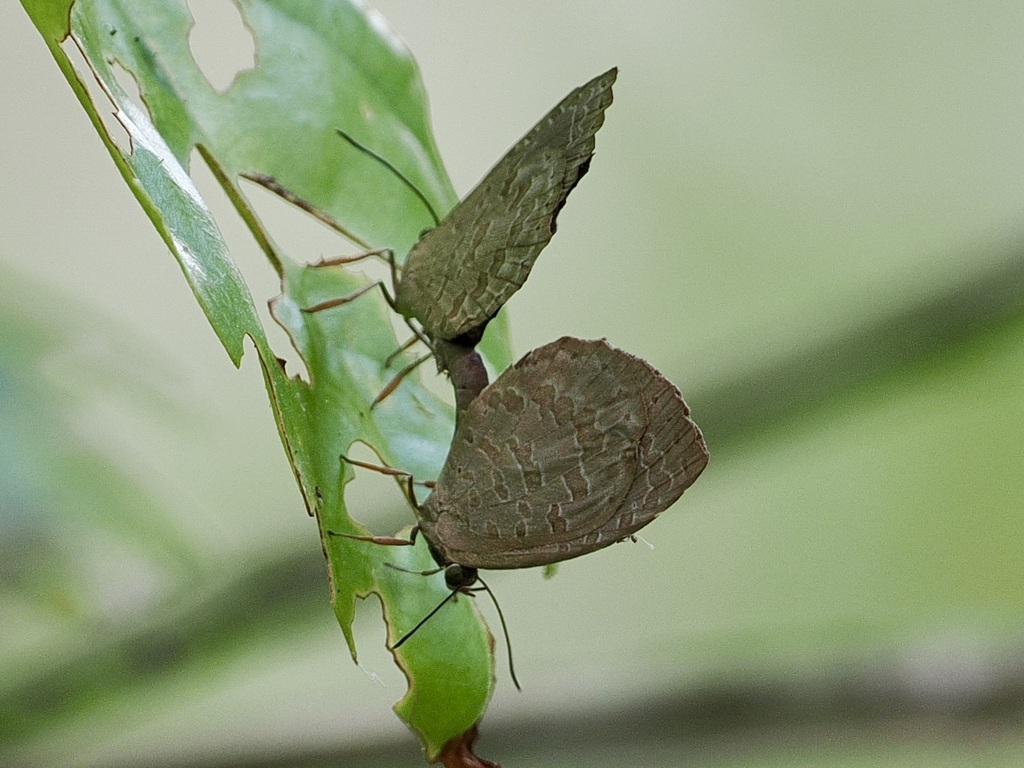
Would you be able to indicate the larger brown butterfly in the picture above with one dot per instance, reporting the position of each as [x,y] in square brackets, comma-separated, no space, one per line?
[577,446]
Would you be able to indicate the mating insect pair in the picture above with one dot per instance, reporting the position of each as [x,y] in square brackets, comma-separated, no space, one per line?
[576,446]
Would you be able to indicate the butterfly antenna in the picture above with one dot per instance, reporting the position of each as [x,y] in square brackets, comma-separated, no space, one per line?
[504,629]
[387,164]
[423,621]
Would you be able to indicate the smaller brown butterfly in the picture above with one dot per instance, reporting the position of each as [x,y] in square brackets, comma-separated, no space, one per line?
[463,271]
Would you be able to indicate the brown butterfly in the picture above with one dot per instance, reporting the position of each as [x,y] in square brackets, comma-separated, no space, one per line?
[577,446]
[462,272]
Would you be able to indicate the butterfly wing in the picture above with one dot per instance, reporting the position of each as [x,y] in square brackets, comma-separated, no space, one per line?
[575,447]
[462,272]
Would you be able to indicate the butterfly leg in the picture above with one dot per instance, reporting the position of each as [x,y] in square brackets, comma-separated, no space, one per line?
[392,385]
[397,379]
[428,572]
[338,301]
[386,253]
[392,472]
[337,261]
[387,541]
[413,340]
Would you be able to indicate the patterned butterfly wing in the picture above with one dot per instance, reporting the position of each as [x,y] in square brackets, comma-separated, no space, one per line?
[575,447]
[462,272]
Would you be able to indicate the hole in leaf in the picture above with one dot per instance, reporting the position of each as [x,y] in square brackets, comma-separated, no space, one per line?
[127,82]
[221,44]
[382,680]
[106,108]
[375,499]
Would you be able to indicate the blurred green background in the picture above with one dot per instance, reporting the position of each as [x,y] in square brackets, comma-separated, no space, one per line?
[809,217]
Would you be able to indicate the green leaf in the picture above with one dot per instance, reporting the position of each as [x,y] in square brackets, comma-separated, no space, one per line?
[320,65]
